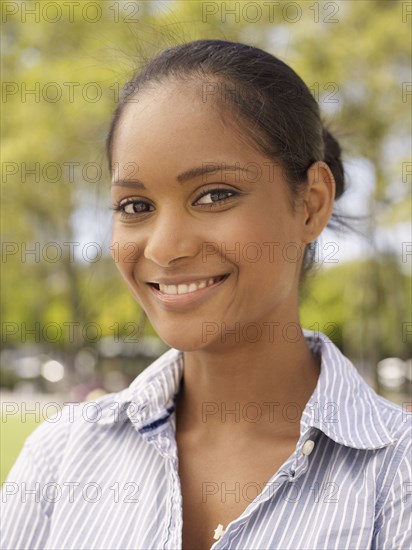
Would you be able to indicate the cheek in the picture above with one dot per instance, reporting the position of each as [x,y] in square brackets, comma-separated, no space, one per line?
[257,239]
[125,249]
[267,250]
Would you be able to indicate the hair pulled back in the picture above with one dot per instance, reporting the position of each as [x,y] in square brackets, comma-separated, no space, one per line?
[274,106]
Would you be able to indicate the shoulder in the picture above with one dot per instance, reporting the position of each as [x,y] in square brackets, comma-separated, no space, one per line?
[397,418]
[361,418]
[393,504]
[397,455]
[68,427]
[77,423]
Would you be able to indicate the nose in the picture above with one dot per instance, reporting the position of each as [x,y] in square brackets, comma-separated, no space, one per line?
[171,237]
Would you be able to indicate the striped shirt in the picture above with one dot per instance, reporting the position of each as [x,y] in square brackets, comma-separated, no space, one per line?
[104,475]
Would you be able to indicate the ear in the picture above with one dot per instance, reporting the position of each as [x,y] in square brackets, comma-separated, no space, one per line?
[318,200]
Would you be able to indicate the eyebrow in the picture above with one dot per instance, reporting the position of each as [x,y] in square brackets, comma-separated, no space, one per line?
[187,175]
[134,183]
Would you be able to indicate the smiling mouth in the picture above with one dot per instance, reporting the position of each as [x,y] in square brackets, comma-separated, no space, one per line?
[189,287]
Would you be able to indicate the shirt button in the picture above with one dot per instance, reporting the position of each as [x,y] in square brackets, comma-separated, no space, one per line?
[308,447]
[219,532]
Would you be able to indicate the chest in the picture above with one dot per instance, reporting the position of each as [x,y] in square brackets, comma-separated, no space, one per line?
[332,505]
[219,483]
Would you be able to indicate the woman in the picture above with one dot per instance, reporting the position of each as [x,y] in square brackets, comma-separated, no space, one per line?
[248,432]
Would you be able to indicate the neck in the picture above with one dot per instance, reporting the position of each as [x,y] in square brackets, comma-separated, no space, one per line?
[247,387]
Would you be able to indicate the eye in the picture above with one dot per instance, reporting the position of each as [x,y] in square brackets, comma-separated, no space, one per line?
[133,207]
[215,196]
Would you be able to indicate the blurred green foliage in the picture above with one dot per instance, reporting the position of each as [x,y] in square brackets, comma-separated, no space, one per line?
[61,79]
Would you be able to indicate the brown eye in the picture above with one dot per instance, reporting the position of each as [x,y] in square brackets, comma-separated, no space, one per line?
[133,207]
[215,196]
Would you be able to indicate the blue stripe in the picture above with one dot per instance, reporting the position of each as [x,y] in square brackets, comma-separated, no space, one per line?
[158,422]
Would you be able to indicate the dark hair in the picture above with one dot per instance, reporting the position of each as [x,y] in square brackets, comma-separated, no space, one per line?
[276,108]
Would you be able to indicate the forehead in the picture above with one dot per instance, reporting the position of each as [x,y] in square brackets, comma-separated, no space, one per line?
[177,123]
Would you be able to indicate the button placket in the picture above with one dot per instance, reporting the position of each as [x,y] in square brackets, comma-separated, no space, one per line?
[232,528]
[301,463]
[174,512]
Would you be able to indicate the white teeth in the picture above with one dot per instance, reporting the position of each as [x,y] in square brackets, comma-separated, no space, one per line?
[185,288]
[169,289]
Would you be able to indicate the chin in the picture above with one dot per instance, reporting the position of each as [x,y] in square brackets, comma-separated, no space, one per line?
[181,337]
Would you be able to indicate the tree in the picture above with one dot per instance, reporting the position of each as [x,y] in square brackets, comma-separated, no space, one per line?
[62,71]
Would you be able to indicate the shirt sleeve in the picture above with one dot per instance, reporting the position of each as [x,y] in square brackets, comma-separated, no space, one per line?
[395,518]
[31,490]
[24,514]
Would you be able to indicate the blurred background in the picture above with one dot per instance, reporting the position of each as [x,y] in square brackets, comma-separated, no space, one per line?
[70,329]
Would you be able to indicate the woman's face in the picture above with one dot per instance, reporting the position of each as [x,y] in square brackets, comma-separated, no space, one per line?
[212,257]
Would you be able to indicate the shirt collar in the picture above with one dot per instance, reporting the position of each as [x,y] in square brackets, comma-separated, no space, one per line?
[343,406]
[150,399]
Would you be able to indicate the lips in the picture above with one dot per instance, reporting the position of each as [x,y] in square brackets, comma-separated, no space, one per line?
[181,294]
[186,287]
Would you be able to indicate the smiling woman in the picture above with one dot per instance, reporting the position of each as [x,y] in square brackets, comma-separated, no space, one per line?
[250,432]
